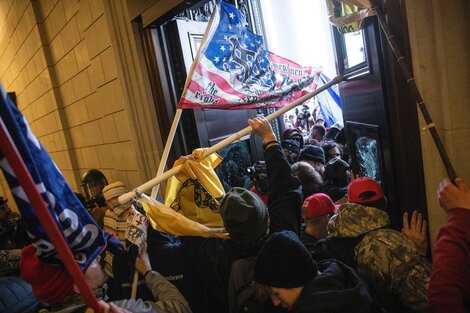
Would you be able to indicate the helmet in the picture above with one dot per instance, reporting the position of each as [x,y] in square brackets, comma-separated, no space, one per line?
[93,182]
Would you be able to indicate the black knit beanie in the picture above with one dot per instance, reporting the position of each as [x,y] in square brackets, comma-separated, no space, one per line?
[244,214]
[313,153]
[291,145]
[284,262]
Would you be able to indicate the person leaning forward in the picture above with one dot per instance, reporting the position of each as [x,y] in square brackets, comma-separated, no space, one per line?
[286,272]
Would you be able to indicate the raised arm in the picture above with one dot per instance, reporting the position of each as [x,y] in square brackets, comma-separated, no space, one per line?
[285,193]
[449,289]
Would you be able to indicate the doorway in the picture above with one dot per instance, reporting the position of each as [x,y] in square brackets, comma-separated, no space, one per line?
[375,103]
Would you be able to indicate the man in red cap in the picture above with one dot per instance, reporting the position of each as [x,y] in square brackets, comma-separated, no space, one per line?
[359,235]
[317,210]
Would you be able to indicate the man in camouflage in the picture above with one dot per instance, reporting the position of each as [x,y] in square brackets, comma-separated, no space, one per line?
[387,260]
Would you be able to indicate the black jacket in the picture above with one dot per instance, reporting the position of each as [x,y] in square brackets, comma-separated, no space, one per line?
[212,258]
[308,240]
[336,289]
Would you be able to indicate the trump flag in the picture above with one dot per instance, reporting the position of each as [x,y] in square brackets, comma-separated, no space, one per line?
[233,70]
[82,234]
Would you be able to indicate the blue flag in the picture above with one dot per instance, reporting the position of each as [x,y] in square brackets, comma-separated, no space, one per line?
[330,103]
[84,238]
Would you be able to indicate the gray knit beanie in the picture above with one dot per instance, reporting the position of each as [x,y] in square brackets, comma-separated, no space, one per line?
[244,214]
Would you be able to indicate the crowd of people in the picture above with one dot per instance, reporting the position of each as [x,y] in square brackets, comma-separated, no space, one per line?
[309,236]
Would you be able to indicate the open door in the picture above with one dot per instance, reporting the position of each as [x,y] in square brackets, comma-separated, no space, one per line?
[377,149]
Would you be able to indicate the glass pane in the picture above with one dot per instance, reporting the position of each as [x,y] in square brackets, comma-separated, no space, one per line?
[368,158]
[353,49]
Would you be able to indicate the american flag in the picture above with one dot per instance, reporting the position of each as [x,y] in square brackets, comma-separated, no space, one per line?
[84,238]
[233,70]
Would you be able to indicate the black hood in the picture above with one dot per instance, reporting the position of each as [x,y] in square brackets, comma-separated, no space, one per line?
[336,289]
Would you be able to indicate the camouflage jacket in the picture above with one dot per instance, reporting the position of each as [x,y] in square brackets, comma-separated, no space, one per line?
[385,258]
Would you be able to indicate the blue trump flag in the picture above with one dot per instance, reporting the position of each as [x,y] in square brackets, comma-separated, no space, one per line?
[83,236]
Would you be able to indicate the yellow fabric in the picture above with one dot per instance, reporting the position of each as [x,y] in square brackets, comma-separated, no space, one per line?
[196,190]
[351,14]
[164,219]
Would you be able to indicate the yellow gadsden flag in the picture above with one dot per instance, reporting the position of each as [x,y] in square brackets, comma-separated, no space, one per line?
[196,190]
[164,219]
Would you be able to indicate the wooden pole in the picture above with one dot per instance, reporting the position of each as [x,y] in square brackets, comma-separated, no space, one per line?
[163,177]
[52,230]
[415,92]
[166,151]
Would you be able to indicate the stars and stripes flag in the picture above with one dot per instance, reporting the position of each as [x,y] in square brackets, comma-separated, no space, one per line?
[83,236]
[330,103]
[233,70]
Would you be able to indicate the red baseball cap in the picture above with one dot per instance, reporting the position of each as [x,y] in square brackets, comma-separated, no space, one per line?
[364,189]
[318,204]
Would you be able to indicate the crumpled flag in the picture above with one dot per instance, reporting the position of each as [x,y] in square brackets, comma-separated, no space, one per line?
[196,190]
[347,15]
[165,219]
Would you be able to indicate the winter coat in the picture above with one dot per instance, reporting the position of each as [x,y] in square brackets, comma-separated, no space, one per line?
[212,258]
[336,289]
[386,259]
[449,288]
[167,298]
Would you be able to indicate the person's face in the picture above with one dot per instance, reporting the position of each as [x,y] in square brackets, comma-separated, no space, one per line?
[315,135]
[334,153]
[95,275]
[290,155]
[285,297]
[319,166]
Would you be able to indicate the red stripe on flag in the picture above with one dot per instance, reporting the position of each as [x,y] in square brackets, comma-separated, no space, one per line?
[219,80]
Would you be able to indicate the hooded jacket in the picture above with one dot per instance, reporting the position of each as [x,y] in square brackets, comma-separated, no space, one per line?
[212,258]
[387,260]
[336,288]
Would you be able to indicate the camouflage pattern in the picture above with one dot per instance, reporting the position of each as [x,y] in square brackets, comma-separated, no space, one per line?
[386,259]
[352,220]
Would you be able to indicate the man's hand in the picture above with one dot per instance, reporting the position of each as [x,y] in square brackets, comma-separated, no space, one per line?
[262,128]
[142,263]
[452,196]
[416,231]
[108,308]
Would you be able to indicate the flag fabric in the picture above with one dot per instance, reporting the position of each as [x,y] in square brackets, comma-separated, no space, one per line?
[83,236]
[330,103]
[136,231]
[348,15]
[164,219]
[233,70]
[196,190]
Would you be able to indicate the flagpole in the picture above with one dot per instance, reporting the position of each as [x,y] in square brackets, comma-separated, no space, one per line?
[172,172]
[415,92]
[166,151]
[52,230]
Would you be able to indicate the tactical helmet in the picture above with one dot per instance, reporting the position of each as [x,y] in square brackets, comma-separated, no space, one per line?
[93,182]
